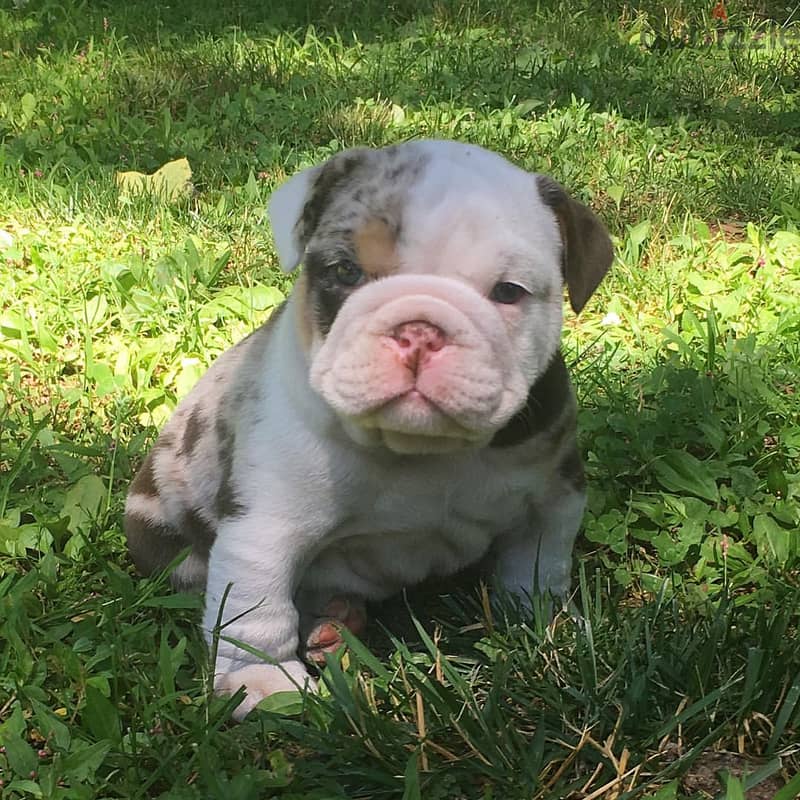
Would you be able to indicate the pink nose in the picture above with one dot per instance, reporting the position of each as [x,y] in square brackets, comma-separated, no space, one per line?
[416,340]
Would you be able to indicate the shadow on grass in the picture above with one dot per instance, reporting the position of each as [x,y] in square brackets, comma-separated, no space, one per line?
[509,55]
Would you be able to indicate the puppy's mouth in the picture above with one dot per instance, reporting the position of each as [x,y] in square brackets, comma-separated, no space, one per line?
[412,423]
[412,405]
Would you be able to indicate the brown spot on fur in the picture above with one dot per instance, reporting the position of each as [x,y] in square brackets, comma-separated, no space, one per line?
[200,533]
[227,504]
[145,480]
[192,432]
[151,545]
[165,441]
[375,248]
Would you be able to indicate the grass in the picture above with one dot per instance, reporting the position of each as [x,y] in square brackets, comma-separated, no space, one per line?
[682,133]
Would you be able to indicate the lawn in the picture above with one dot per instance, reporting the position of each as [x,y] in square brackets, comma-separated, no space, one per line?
[676,671]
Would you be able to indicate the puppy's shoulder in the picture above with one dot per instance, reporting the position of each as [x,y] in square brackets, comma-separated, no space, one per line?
[543,434]
[550,409]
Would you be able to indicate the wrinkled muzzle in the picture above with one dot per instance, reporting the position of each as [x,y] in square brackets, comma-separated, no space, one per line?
[420,364]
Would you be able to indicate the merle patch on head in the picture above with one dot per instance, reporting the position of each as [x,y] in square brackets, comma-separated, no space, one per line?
[353,215]
[546,401]
[326,293]
[333,175]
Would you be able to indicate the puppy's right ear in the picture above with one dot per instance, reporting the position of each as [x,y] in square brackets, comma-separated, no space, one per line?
[296,207]
[285,211]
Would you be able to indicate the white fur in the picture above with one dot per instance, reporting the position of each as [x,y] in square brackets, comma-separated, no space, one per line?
[262,680]
[285,206]
[472,220]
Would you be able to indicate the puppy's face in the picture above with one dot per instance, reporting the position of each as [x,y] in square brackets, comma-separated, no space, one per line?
[432,295]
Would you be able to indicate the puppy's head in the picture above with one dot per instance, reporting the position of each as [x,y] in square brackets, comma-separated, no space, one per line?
[432,294]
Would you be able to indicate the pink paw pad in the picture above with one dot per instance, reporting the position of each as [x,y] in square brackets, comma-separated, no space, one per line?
[325,635]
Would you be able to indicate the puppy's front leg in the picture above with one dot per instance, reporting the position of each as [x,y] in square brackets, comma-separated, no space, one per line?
[259,562]
[539,558]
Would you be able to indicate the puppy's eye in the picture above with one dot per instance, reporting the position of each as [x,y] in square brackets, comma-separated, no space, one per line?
[348,274]
[507,293]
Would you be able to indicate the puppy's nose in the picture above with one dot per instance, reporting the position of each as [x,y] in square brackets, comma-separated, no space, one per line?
[416,340]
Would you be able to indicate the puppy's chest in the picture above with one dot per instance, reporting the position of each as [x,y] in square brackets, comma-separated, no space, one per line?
[447,505]
[409,527]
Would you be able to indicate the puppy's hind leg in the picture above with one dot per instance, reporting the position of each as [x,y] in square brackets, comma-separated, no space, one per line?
[155,538]
[320,629]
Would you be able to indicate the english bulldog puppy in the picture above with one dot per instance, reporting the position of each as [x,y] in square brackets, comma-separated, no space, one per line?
[404,413]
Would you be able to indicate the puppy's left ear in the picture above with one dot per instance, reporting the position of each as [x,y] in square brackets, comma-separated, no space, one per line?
[587,249]
[285,209]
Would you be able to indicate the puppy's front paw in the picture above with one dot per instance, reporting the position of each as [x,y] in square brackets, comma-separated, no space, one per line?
[262,680]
